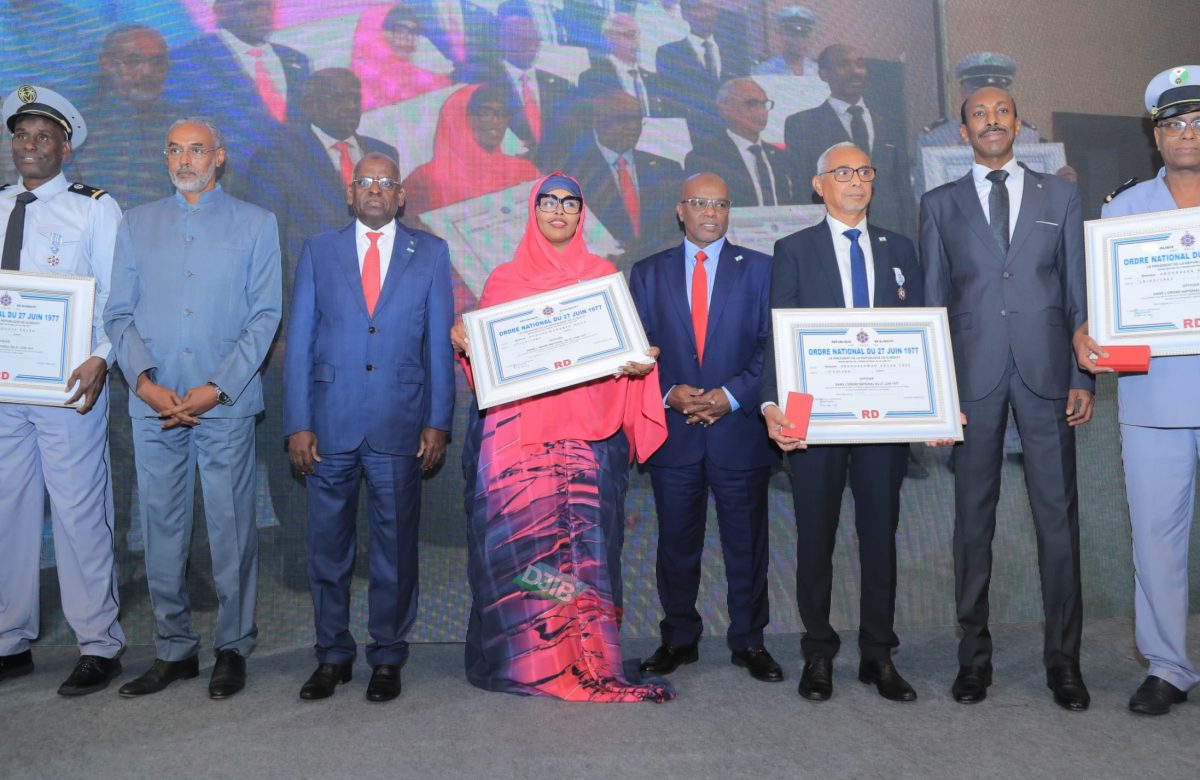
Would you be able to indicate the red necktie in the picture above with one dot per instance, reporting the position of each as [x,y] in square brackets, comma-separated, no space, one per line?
[343,150]
[630,195]
[700,303]
[275,102]
[370,273]
[532,115]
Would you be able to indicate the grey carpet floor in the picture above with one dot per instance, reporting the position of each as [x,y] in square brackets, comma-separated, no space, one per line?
[723,724]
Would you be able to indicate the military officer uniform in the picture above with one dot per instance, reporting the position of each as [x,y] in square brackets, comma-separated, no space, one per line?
[1160,438]
[67,229]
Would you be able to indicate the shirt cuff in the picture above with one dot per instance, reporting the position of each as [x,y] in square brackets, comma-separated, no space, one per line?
[732,401]
[762,408]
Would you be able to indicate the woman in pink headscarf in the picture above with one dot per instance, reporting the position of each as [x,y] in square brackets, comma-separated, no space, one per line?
[384,42]
[546,481]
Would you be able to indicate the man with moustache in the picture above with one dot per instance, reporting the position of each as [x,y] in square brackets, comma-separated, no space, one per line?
[1002,249]
[368,391]
[706,304]
[194,307]
[843,261]
[49,226]
[1160,428]
[758,173]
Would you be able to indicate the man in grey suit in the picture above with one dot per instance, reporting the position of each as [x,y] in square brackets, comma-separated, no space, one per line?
[196,299]
[1002,249]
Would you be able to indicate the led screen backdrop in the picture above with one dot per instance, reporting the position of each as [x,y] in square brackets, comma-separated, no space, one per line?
[436,83]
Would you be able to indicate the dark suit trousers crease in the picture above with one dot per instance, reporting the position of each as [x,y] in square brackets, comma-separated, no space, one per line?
[818,483]
[1049,457]
[681,500]
[394,492]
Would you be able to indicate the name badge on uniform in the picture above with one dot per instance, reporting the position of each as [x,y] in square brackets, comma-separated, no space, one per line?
[55,248]
[901,293]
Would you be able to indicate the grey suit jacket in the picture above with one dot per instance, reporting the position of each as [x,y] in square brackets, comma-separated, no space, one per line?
[1028,302]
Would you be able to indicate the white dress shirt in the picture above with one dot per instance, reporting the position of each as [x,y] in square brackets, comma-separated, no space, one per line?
[842,109]
[630,77]
[241,50]
[743,146]
[1015,184]
[385,246]
[327,141]
[841,248]
[612,157]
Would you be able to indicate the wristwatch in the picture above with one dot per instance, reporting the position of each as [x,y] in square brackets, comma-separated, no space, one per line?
[222,397]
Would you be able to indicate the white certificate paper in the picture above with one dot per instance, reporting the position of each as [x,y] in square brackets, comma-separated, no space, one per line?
[876,375]
[553,340]
[45,332]
[1143,275]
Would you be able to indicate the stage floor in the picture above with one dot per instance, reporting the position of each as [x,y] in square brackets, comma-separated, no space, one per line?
[723,724]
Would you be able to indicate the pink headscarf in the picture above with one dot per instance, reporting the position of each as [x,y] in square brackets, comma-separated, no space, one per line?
[386,79]
[595,410]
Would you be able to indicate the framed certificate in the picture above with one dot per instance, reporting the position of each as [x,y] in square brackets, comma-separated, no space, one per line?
[876,375]
[45,332]
[1143,278]
[553,340]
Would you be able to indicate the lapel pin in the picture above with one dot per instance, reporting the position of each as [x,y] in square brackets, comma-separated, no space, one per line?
[883,239]
[737,259]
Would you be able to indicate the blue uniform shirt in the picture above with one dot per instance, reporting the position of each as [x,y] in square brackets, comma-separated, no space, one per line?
[1164,397]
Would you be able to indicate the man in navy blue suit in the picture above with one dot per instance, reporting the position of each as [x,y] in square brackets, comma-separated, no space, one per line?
[251,86]
[320,152]
[692,69]
[706,304]
[843,261]
[368,390]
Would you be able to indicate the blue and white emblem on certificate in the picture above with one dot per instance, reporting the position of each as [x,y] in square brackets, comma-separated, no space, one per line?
[45,332]
[1143,278]
[552,340]
[875,375]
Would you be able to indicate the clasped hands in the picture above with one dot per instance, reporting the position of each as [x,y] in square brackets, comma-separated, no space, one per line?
[699,406]
[172,409]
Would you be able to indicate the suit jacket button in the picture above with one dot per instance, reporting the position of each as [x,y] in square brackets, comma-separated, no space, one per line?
[1004,312]
[371,329]
[370,367]
[1007,275]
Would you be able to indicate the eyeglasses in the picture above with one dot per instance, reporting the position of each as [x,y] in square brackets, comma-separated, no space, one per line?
[704,204]
[132,62]
[753,103]
[844,173]
[1176,126]
[385,183]
[176,152]
[550,204]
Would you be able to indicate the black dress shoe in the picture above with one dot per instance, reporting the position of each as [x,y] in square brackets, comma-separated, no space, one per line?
[667,659]
[760,663]
[324,681]
[384,684]
[886,680]
[1155,697]
[228,675]
[160,675]
[1069,691]
[971,684]
[16,665]
[816,681]
[91,673]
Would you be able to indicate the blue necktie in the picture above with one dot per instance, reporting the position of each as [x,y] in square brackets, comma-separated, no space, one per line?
[858,270]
